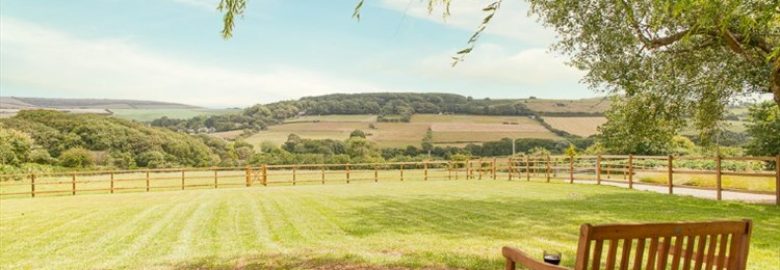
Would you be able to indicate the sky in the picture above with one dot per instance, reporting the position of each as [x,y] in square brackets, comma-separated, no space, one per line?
[171,50]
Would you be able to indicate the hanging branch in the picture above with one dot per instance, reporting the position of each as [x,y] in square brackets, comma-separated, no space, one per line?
[231,8]
[490,11]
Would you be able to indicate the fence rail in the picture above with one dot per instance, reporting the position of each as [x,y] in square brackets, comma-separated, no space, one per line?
[667,171]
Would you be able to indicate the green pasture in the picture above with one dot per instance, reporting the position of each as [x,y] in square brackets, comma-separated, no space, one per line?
[391,224]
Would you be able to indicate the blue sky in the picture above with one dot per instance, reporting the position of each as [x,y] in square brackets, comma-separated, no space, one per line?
[171,50]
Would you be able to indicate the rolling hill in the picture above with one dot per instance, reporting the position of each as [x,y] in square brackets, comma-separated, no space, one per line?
[77,103]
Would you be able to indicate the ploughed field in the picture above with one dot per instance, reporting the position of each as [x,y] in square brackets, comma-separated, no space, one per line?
[391,224]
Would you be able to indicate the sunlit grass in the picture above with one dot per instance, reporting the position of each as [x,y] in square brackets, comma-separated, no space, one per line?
[750,183]
[413,224]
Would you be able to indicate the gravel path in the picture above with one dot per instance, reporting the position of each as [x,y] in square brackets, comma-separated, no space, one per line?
[695,192]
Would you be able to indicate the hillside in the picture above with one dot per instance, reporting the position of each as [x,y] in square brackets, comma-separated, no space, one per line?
[73,103]
[46,137]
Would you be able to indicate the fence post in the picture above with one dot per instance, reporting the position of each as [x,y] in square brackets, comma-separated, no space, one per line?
[527,169]
[376,174]
[247,176]
[547,171]
[112,182]
[630,171]
[718,177]
[777,180]
[147,180]
[182,179]
[509,169]
[571,169]
[265,175]
[494,168]
[449,170]
[457,173]
[322,174]
[73,184]
[671,172]
[598,170]
[425,167]
[468,169]
[216,179]
[402,172]
[479,169]
[347,173]
[32,185]
[293,174]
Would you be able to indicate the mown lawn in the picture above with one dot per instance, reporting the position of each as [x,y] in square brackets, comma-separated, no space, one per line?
[412,224]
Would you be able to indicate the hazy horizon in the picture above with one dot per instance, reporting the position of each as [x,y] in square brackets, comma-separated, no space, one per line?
[171,51]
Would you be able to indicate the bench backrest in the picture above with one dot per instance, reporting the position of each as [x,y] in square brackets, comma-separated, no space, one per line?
[700,245]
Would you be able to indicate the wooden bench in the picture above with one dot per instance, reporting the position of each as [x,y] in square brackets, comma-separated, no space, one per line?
[722,244]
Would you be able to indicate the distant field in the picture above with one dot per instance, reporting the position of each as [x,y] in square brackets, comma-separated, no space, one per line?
[447,129]
[582,126]
[478,119]
[591,105]
[385,134]
[146,115]
[366,118]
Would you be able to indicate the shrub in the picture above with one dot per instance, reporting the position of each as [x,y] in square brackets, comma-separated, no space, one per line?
[358,133]
[76,158]
[152,159]
[41,156]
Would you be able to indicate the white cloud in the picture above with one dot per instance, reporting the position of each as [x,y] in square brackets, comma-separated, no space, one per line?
[511,20]
[36,57]
[535,67]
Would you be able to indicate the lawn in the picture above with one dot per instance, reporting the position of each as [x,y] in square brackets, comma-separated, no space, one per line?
[411,224]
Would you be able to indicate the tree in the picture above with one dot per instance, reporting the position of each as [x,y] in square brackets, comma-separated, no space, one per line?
[358,133]
[358,147]
[14,146]
[427,141]
[634,127]
[571,151]
[693,56]
[764,129]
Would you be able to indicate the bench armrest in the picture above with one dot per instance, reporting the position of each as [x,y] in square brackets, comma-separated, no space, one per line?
[514,256]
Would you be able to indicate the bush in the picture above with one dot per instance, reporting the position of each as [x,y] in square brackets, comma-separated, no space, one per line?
[76,158]
[41,156]
[358,133]
[152,159]
[14,146]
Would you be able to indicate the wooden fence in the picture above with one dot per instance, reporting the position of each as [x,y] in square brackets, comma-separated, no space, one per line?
[661,170]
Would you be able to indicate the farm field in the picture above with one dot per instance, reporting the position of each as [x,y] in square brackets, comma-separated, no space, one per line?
[413,224]
[475,119]
[581,126]
[447,129]
[146,115]
[365,118]
[589,105]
